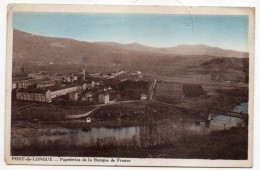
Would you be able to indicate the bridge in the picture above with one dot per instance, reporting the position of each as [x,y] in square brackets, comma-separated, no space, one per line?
[229,113]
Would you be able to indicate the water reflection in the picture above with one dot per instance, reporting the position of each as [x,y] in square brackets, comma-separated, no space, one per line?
[149,134]
[241,108]
[133,136]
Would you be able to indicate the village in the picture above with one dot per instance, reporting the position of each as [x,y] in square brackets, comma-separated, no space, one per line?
[89,111]
[83,88]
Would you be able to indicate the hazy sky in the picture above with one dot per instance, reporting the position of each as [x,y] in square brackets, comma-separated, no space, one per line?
[158,30]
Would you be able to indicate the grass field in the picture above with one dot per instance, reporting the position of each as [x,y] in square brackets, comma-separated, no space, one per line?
[223,97]
[169,93]
[47,112]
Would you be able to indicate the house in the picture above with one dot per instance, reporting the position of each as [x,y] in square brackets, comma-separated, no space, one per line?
[70,78]
[94,74]
[25,82]
[55,76]
[103,98]
[74,96]
[46,83]
[16,81]
[39,75]
[90,85]
[107,89]
[75,77]
[122,80]
[82,84]
[88,97]
[140,76]
[14,85]
[143,96]
[103,88]
[88,120]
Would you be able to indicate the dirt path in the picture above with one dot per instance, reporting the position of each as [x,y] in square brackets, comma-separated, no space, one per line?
[81,115]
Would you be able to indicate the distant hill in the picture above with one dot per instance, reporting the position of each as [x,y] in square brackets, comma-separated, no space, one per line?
[220,64]
[199,49]
[231,69]
[206,50]
[40,50]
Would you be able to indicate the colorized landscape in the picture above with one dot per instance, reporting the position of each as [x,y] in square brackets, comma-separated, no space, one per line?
[114,99]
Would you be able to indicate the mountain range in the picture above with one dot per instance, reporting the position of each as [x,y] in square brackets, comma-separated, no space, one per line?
[30,48]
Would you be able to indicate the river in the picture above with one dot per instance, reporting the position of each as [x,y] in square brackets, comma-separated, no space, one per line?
[133,135]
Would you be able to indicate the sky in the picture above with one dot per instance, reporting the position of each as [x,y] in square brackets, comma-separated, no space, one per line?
[156,30]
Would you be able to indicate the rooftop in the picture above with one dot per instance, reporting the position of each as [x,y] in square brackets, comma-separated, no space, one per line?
[21,78]
[59,87]
[33,90]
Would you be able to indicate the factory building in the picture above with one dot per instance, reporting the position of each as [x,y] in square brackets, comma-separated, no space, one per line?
[45,94]
[40,95]
[25,82]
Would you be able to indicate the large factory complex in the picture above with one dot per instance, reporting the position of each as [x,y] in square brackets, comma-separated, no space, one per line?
[44,87]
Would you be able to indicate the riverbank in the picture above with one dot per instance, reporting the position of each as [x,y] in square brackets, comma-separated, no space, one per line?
[161,131]
[224,144]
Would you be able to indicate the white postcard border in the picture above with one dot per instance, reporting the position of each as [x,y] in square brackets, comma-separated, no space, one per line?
[129,9]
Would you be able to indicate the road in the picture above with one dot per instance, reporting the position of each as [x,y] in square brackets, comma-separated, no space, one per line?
[152,90]
[100,106]
[81,115]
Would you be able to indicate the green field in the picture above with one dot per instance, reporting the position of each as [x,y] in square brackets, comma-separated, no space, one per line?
[169,93]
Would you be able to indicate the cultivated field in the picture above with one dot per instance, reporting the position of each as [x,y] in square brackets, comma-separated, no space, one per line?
[169,93]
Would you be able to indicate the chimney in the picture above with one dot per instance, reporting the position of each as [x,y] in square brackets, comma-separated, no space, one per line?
[84,73]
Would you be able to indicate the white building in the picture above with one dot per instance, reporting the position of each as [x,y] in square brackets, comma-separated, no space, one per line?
[143,96]
[103,98]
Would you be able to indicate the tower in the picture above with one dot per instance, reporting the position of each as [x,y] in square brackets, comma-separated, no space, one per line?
[22,69]
[84,73]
